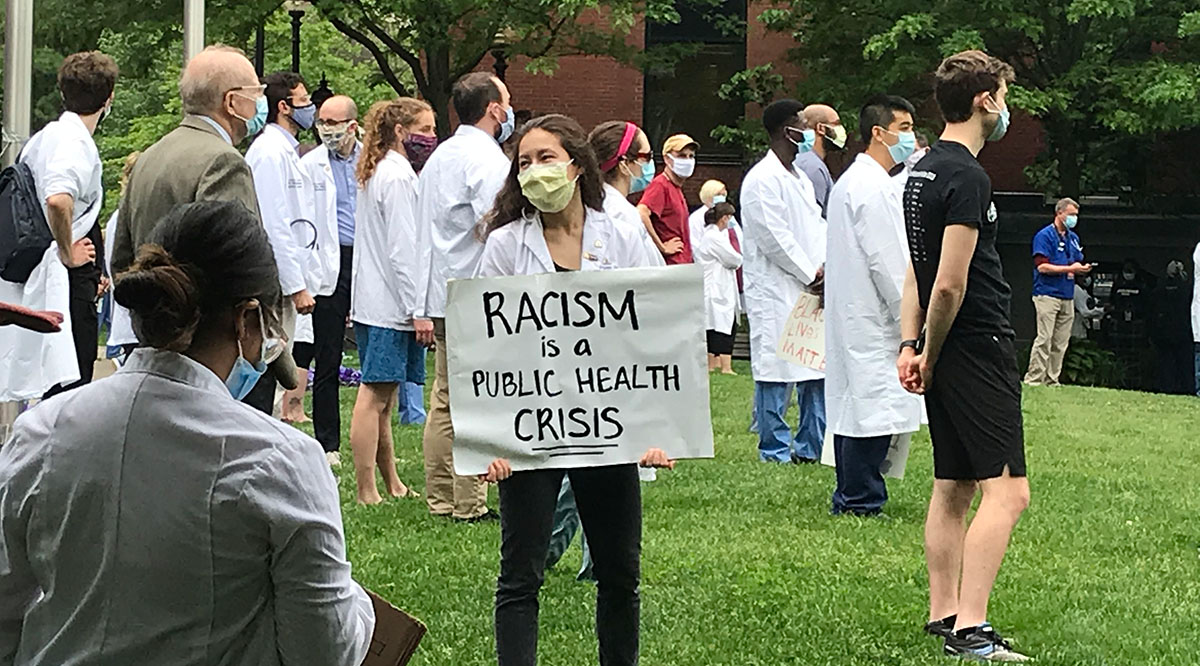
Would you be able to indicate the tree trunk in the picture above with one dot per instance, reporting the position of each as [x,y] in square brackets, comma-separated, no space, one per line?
[1064,147]
[438,83]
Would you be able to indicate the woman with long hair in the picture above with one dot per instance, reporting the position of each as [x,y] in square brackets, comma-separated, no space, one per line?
[549,217]
[628,167]
[384,290]
[152,518]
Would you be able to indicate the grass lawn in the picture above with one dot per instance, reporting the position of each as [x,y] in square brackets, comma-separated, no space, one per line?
[742,564]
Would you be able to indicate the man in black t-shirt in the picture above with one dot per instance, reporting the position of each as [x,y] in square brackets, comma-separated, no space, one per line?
[966,366]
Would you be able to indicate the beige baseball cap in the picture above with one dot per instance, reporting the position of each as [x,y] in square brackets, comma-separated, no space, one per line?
[679,142]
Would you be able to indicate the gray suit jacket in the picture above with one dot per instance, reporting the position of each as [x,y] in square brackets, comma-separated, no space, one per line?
[191,163]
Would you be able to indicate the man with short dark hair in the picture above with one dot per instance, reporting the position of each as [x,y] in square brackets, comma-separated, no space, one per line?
[866,264]
[285,201]
[784,257]
[67,176]
[824,136]
[457,188]
[965,362]
[664,205]
[1057,259]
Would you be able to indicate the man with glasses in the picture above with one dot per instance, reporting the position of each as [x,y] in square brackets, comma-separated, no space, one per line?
[331,167]
[223,103]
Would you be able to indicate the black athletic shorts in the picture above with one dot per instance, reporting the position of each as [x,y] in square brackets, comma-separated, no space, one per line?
[974,409]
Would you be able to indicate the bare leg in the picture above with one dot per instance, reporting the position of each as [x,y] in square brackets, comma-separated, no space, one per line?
[945,531]
[726,364]
[385,458]
[372,401]
[293,401]
[713,364]
[1004,499]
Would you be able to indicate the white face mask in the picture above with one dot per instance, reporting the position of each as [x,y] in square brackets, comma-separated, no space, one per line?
[683,167]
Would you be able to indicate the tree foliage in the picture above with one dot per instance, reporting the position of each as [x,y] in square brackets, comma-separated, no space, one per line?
[1107,78]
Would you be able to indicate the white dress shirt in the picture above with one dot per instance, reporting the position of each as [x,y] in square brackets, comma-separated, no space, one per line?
[458,187]
[64,160]
[387,256]
[865,266]
[150,518]
[784,248]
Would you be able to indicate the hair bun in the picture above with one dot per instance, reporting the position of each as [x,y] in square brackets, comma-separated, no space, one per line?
[162,297]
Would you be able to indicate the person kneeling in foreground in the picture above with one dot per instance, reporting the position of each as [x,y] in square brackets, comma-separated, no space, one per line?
[151,518]
[556,175]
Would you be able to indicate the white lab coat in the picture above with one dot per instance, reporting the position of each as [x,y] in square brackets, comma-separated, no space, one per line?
[865,267]
[387,258]
[696,224]
[620,211]
[64,160]
[285,200]
[1196,295]
[519,248]
[784,247]
[120,329]
[720,261]
[458,186]
[325,260]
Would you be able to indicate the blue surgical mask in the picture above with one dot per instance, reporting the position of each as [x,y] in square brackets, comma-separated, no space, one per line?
[507,127]
[642,181]
[1071,221]
[245,374]
[718,199]
[1001,124]
[255,124]
[905,147]
[304,115]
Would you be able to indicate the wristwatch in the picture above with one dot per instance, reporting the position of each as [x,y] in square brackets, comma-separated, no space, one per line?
[910,344]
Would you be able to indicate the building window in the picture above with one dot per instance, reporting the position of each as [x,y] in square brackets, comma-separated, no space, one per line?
[682,97]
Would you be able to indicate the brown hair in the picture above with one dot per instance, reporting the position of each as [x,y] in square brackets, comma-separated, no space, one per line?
[380,137]
[718,212]
[86,81]
[605,140]
[964,75]
[127,169]
[473,94]
[202,260]
[511,204]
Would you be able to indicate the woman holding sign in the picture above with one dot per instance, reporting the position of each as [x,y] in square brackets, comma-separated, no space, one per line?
[550,218]
[384,292]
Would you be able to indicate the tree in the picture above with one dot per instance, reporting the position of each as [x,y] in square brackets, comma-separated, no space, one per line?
[1105,77]
[438,42]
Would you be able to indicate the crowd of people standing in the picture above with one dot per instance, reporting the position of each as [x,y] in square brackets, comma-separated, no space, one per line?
[224,265]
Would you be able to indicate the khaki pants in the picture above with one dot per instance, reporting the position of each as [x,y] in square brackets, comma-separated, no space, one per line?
[446,492]
[1054,319]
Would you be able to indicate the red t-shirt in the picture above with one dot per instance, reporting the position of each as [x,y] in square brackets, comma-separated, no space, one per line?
[669,215]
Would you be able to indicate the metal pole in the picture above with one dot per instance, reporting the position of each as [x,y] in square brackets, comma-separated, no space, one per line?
[18,76]
[193,28]
[297,15]
[260,50]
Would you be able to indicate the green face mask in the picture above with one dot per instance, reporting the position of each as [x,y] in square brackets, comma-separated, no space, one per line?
[547,186]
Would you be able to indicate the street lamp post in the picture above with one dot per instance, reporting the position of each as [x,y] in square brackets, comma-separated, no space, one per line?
[18,77]
[193,28]
[500,45]
[296,10]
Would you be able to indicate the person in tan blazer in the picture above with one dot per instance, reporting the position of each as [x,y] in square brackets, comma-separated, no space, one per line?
[199,161]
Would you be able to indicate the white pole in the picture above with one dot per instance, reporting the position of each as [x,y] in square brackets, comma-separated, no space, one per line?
[18,76]
[193,28]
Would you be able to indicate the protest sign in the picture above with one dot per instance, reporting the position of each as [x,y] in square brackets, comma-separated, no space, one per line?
[803,338]
[578,369]
[893,465]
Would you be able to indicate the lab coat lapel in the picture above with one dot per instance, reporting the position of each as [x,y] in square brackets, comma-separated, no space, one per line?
[535,243]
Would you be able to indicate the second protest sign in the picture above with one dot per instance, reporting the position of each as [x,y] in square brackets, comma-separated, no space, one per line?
[577,369]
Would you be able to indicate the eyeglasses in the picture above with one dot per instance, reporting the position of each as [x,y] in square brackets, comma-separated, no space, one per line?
[646,157]
[334,123]
[260,89]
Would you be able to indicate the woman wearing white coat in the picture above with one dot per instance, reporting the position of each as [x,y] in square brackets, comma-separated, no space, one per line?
[721,262]
[549,218]
[628,166]
[384,289]
[151,518]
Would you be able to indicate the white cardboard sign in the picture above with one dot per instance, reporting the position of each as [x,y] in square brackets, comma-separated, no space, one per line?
[578,369]
[803,339]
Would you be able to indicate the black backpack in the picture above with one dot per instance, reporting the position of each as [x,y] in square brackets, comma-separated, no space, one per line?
[24,233]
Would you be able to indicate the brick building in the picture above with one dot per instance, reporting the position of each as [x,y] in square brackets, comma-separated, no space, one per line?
[594,90]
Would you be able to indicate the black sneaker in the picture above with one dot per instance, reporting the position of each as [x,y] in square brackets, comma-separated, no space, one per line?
[943,628]
[982,643]
[485,517]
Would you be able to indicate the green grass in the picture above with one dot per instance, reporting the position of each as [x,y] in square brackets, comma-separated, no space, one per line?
[742,564]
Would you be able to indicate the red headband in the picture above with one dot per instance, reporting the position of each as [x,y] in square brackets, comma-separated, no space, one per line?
[626,141]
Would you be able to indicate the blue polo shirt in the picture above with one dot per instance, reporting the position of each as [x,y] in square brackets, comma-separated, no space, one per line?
[1061,251]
